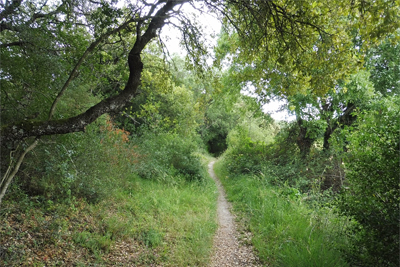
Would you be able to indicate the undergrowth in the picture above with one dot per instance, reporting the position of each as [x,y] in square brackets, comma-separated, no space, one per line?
[88,205]
[286,231]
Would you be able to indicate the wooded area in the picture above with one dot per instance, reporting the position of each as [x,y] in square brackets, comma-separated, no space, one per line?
[94,109]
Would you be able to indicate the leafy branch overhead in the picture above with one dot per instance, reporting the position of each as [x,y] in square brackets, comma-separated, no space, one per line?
[289,47]
[285,45]
[148,20]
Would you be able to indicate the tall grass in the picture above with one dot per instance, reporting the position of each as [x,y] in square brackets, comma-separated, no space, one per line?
[286,231]
[169,225]
[81,201]
[175,220]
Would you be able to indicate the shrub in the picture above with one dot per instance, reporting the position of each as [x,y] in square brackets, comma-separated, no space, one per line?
[246,158]
[167,154]
[372,192]
[81,165]
[282,162]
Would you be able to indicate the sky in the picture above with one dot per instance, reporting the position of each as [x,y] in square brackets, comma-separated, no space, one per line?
[272,107]
[211,27]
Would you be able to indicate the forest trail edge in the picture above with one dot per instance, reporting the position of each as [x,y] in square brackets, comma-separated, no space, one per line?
[227,250]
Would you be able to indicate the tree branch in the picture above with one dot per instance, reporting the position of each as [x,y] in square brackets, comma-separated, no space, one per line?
[6,180]
[83,57]
[19,43]
[10,9]
[5,26]
[21,130]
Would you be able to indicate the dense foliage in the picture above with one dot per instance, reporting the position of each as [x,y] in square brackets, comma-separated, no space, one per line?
[341,153]
[79,200]
[94,112]
[371,194]
[358,178]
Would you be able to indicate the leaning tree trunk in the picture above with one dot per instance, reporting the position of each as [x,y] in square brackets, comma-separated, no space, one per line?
[16,132]
[13,168]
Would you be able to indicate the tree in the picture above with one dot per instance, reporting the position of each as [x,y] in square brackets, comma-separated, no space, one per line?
[372,190]
[148,20]
[52,49]
[321,116]
[336,109]
[56,27]
[290,47]
[220,113]
[310,68]
[383,62]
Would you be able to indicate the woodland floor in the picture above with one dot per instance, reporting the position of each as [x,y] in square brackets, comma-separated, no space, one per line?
[35,239]
[230,248]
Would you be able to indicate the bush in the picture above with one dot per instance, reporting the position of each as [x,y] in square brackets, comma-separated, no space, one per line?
[372,192]
[168,154]
[248,146]
[81,165]
[246,158]
[278,160]
[282,163]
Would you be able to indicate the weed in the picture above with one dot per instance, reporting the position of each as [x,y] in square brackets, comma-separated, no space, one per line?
[151,238]
[286,231]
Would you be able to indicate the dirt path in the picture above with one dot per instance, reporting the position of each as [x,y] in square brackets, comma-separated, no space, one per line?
[228,251]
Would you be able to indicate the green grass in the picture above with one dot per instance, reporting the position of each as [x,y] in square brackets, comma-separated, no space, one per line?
[286,231]
[178,220]
[142,221]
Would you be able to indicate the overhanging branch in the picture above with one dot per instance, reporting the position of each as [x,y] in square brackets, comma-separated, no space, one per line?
[24,129]
[10,9]
[83,57]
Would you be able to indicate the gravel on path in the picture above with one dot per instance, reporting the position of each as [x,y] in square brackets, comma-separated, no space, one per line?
[227,249]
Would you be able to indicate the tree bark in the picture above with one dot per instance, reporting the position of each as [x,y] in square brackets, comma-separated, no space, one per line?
[24,129]
[12,171]
[21,130]
[327,135]
[347,118]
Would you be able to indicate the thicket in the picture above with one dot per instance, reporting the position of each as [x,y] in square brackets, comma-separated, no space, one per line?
[99,196]
[80,165]
[286,230]
[167,155]
[358,178]
[371,192]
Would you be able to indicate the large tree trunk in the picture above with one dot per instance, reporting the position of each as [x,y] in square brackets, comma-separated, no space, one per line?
[327,135]
[15,132]
[21,130]
[346,119]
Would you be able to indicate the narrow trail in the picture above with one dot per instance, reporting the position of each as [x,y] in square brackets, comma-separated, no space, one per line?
[227,250]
